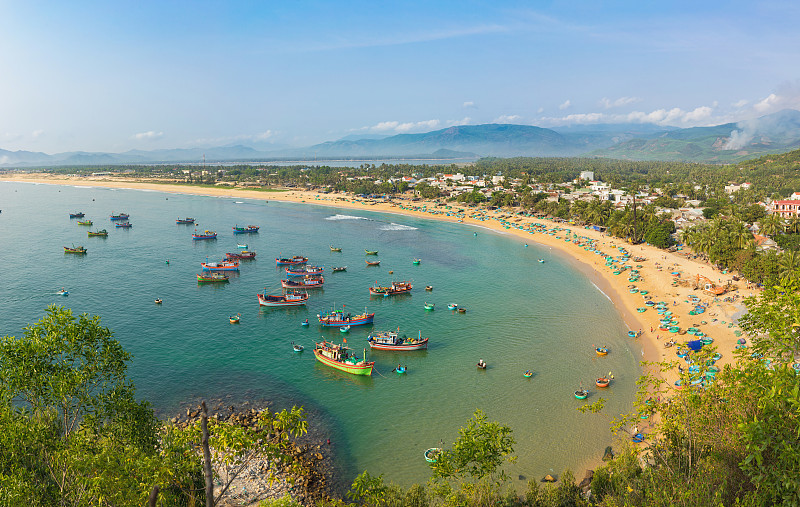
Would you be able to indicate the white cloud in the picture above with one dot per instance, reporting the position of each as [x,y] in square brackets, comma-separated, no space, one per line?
[622,101]
[767,103]
[540,110]
[148,135]
[463,121]
[741,103]
[698,115]
[263,136]
[507,118]
[469,105]
[565,105]
[418,126]
[385,125]
[37,133]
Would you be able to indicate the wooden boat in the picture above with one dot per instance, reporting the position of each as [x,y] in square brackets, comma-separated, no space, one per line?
[125,225]
[296,347]
[297,259]
[102,232]
[158,301]
[74,249]
[429,306]
[394,288]
[234,319]
[429,287]
[120,216]
[304,323]
[186,220]
[337,318]
[220,266]
[601,351]
[344,329]
[305,271]
[581,393]
[307,282]
[376,263]
[339,269]
[432,454]
[602,382]
[334,249]
[401,369]
[340,357]
[452,306]
[244,247]
[203,235]
[63,292]
[288,299]
[481,365]
[85,222]
[390,340]
[527,374]
[417,261]
[462,310]
[244,254]
[79,214]
[213,277]
[541,261]
[370,252]
[245,230]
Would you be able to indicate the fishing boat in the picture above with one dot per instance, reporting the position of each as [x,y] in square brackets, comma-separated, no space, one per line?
[401,369]
[601,351]
[307,282]
[370,252]
[391,340]
[288,299]
[213,277]
[581,393]
[297,259]
[462,310]
[344,329]
[102,232]
[245,230]
[296,347]
[334,249]
[432,454]
[341,358]
[339,269]
[602,382]
[124,225]
[338,318]
[452,306]
[79,214]
[158,301]
[85,222]
[429,287]
[120,216]
[234,319]
[74,249]
[394,288]
[244,254]
[305,271]
[429,306]
[62,292]
[244,247]
[186,220]
[203,235]
[541,261]
[220,266]
[417,261]
[304,323]
[527,374]
[375,263]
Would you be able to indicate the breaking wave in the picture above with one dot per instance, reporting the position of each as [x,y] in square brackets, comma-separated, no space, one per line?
[345,217]
[396,227]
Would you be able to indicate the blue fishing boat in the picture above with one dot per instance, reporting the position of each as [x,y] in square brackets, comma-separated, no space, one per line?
[245,230]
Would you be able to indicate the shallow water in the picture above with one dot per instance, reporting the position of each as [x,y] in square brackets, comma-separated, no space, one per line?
[520,315]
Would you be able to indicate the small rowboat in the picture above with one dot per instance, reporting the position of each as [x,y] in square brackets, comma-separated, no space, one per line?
[334,249]
[452,306]
[602,382]
[339,269]
[186,220]
[581,394]
[462,310]
[234,319]
[429,306]
[432,454]
[296,347]
[304,323]
[241,246]
[416,262]
[370,252]
[376,263]
[527,374]
[63,292]
[344,329]
[481,365]
[541,261]
[601,351]
[401,369]
[158,301]
[429,287]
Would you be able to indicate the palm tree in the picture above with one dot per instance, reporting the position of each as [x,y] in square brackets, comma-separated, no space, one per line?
[793,224]
[771,225]
[789,264]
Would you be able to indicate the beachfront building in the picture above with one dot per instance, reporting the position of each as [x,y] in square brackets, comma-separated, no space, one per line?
[786,208]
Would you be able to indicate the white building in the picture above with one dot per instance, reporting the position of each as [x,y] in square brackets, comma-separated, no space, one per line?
[587,175]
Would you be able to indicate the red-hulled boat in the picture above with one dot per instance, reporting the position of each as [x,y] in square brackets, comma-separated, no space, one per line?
[297,259]
[288,299]
[308,270]
[394,288]
[307,282]
[336,318]
[390,340]
[244,254]
[220,266]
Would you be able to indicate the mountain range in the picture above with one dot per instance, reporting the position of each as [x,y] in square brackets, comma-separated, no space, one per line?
[730,142]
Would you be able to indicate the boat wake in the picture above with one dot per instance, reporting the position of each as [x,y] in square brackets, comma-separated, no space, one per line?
[396,227]
[345,217]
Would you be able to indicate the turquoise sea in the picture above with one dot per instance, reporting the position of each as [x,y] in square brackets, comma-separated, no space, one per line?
[521,315]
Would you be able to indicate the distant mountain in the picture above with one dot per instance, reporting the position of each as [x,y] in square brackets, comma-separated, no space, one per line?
[731,142]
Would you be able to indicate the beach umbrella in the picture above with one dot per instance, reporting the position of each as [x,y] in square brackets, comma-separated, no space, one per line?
[695,345]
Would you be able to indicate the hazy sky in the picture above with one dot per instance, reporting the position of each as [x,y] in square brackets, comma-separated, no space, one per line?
[120,75]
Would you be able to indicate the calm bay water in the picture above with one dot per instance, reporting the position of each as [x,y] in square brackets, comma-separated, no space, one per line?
[520,315]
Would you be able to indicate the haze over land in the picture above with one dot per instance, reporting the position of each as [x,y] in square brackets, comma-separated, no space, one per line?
[86,82]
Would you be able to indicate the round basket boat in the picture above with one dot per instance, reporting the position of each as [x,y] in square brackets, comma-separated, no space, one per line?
[602,382]
[432,454]
[528,374]
[641,309]
[601,351]
[581,394]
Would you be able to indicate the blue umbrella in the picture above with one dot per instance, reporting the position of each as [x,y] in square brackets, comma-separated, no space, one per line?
[695,345]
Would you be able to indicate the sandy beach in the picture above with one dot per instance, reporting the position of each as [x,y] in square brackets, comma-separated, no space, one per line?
[665,276]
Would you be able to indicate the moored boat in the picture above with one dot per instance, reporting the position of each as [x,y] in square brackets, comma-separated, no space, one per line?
[120,216]
[245,230]
[429,306]
[390,340]
[339,269]
[244,254]
[220,266]
[102,232]
[124,225]
[74,249]
[452,306]
[602,382]
[341,358]
[334,249]
[394,288]
[417,261]
[288,299]
[203,235]
[601,351]
[63,292]
[307,282]
[305,271]
[432,454]
[338,318]
[186,220]
[85,222]
[527,374]
[297,259]
[370,252]
[234,319]
[581,393]
[374,263]
[79,214]
[213,277]
[296,347]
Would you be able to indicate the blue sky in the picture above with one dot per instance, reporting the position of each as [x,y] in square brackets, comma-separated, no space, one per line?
[115,76]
